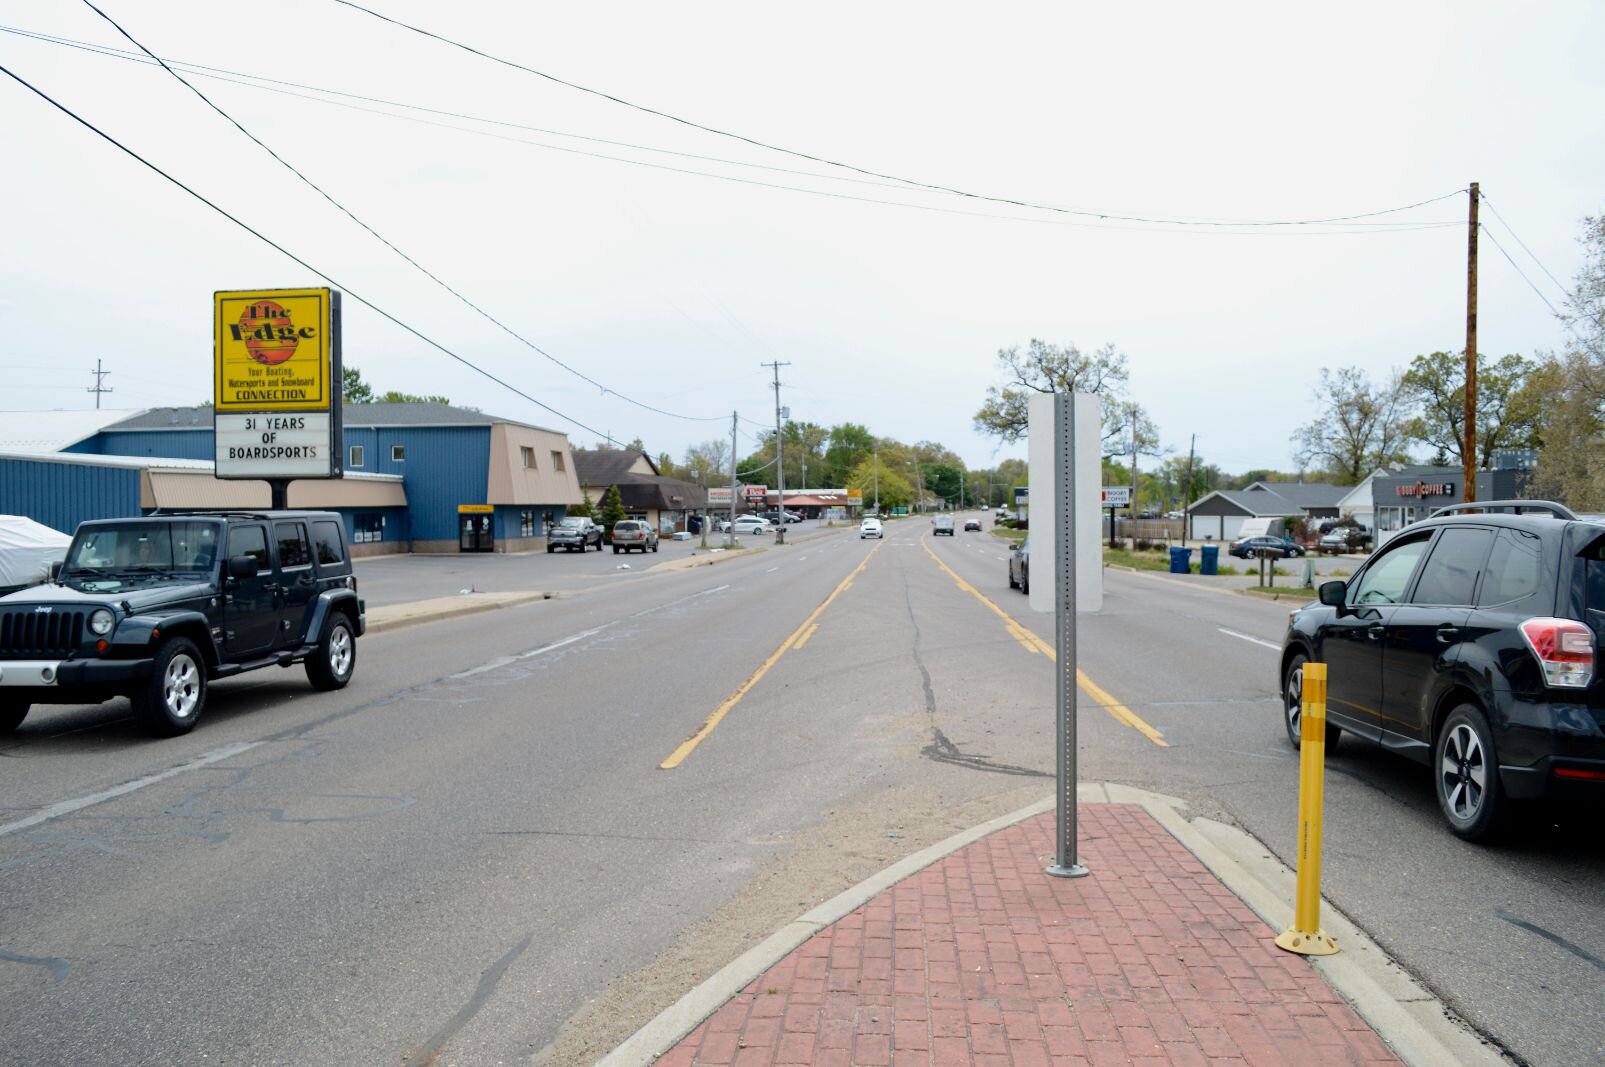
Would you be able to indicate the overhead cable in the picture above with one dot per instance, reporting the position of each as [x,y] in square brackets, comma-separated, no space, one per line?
[912,182]
[359,298]
[385,241]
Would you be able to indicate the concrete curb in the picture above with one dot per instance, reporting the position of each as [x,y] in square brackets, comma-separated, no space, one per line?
[1409,1018]
[417,612]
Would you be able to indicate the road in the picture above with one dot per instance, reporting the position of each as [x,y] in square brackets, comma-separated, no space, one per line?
[474,853]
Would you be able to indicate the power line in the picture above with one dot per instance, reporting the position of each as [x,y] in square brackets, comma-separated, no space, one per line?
[108,138]
[380,237]
[1585,342]
[913,182]
[1524,247]
[252,81]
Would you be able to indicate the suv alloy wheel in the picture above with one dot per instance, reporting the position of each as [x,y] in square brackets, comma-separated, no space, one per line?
[1293,706]
[1466,774]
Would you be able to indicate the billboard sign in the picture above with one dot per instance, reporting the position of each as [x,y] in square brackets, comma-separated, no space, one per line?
[276,383]
[755,492]
[718,496]
[1117,496]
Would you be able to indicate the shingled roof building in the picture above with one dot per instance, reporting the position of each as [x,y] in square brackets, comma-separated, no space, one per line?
[421,477]
[1221,514]
[647,494]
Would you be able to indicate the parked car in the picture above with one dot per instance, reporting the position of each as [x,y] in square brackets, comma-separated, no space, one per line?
[1276,547]
[1020,566]
[870,527]
[752,524]
[634,535]
[574,533]
[774,517]
[155,609]
[1468,644]
[972,524]
[942,524]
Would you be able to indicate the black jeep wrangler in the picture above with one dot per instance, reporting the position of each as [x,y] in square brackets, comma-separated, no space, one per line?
[155,608]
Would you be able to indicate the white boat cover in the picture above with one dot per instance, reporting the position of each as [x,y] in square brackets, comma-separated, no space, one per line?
[27,549]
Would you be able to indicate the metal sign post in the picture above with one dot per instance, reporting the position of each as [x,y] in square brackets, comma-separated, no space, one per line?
[1064,438]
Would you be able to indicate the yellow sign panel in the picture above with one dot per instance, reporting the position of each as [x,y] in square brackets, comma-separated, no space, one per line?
[476,509]
[273,350]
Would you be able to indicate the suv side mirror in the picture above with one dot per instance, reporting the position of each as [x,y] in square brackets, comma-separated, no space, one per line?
[242,567]
[1331,593]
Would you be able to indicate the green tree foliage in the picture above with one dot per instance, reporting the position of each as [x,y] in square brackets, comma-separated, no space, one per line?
[896,487]
[1363,425]
[849,443]
[612,511]
[942,480]
[1507,413]
[585,509]
[353,390]
[1571,423]
[1048,368]
[706,462]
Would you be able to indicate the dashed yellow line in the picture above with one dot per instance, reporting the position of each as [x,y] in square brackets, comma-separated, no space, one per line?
[797,638]
[1034,643]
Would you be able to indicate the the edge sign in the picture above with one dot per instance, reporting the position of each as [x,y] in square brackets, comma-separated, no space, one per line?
[276,383]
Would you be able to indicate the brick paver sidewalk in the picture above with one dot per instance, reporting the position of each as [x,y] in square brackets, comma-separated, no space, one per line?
[982,959]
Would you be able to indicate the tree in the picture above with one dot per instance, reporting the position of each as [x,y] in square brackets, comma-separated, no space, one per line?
[1047,368]
[353,390]
[896,488]
[849,444]
[706,460]
[1506,413]
[1364,425]
[612,510]
[393,397]
[1571,424]
[942,480]
[585,509]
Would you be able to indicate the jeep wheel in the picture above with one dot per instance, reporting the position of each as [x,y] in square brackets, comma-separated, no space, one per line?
[331,665]
[171,699]
[1466,774]
[12,712]
[1293,705]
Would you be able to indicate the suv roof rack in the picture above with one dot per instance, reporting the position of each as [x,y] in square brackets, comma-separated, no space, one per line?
[1559,511]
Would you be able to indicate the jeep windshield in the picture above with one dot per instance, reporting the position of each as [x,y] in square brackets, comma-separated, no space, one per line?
[110,556]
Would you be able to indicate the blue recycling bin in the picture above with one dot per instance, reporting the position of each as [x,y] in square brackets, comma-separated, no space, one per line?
[1209,556]
[1180,559]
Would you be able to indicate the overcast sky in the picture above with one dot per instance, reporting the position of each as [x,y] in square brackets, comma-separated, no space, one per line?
[671,286]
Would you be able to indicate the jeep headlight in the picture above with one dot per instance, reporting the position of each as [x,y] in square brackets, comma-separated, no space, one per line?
[100,622]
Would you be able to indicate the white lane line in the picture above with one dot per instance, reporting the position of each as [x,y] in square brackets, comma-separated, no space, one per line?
[1245,637]
[771,570]
[67,807]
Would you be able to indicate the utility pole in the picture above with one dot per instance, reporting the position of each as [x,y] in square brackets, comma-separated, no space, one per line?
[780,467]
[1187,492]
[877,480]
[1469,448]
[99,386]
[730,541]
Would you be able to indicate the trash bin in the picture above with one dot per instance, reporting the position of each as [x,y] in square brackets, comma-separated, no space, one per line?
[1209,556]
[1180,559]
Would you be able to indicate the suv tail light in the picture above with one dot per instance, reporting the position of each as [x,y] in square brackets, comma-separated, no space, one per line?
[1565,650]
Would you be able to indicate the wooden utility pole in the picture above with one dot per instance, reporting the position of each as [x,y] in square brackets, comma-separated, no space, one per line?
[1187,492]
[1469,448]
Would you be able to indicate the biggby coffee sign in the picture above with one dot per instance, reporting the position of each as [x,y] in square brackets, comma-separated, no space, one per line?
[276,383]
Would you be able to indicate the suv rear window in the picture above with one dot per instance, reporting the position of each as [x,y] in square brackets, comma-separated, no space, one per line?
[1513,568]
[326,542]
[1594,575]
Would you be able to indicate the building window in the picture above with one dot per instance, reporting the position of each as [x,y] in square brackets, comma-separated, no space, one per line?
[557,462]
[356,456]
[368,526]
[526,521]
[398,453]
[528,455]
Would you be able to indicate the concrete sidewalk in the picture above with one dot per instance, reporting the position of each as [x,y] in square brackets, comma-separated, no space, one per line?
[968,953]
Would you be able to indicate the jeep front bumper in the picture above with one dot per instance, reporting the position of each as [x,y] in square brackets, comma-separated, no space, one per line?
[72,673]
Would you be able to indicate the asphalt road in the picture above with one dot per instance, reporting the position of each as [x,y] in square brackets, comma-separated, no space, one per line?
[473,854]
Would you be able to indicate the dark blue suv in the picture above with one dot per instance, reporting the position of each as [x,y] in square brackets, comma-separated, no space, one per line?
[1468,643]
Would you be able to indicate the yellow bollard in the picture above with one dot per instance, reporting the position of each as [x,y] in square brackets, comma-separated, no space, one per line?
[1305,936]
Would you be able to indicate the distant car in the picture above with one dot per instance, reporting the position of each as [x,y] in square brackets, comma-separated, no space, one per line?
[574,533]
[1020,566]
[972,524]
[773,517]
[634,535]
[942,524]
[1275,547]
[870,527]
[752,524]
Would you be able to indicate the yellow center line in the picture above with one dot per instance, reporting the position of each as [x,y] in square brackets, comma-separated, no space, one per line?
[803,640]
[678,756]
[1034,643]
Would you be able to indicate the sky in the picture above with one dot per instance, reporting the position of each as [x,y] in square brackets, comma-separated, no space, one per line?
[671,273]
